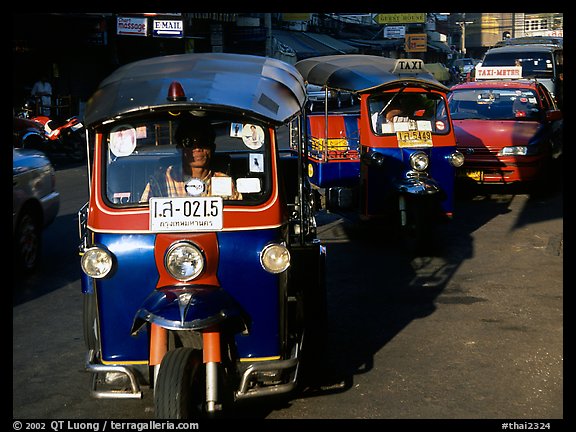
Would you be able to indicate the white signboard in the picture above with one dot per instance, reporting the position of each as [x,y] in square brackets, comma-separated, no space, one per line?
[395,32]
[168,28]
[498,72]
[129,26]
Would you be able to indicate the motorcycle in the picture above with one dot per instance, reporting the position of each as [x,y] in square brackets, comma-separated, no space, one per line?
[58,135]
[214,294]
[393,160]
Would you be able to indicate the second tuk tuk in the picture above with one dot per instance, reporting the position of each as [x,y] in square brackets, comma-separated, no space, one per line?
[203,278]
[395,158]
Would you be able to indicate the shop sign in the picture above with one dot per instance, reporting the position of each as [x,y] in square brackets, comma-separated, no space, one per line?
[401,18]
[394,32]
[416,42]
[130,26]
[168,28]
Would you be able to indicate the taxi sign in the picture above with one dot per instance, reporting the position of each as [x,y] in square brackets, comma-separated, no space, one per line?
[404,66]
[186,214]
[498,72]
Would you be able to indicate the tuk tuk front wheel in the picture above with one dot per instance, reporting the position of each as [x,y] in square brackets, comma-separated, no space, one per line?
[180,387]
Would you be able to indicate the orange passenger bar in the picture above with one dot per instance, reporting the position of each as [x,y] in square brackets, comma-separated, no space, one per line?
[158,344]
[211,352]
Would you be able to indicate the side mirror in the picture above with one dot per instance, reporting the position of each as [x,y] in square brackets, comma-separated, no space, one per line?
[553,115]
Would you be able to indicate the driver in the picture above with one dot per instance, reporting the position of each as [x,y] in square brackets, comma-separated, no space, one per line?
[194,177]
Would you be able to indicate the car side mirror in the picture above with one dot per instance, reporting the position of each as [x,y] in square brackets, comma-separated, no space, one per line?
[553,115]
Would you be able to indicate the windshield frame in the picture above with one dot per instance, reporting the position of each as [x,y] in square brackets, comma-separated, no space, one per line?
[152,148]
[377,103]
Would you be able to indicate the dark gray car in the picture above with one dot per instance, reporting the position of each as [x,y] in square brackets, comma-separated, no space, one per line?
[35,204]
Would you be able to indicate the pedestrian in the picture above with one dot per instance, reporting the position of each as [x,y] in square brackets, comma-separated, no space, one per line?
[42,94]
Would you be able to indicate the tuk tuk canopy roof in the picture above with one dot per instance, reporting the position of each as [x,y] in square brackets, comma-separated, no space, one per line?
[260,86]
[360,72]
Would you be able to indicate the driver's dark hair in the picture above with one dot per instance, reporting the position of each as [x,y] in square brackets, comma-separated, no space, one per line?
[193,129]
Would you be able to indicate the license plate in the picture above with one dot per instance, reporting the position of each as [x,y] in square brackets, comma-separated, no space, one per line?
[414,138]
[186,214]
[472,174]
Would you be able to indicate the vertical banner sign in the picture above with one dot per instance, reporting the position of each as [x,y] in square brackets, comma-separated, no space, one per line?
[129,26]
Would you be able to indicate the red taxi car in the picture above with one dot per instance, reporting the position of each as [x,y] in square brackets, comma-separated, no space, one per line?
[509,130]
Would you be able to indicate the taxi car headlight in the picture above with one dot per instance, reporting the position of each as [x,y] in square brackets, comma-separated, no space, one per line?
[419,161]
[275,258]
[456,159]
[96,262]
[184,261]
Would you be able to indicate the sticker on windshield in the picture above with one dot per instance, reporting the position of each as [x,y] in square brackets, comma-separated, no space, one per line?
[248,185]
[122,140]
[195,187]
[256,162]
[236,130]
[253,136]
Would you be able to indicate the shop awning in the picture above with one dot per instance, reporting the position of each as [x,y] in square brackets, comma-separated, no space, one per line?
[441,47]
[384,44]
[306,44]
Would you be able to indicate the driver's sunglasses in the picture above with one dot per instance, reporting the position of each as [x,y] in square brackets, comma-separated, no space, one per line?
[192,143]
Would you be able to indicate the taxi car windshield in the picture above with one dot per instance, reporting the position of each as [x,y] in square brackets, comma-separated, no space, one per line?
[143,159]
[494,104]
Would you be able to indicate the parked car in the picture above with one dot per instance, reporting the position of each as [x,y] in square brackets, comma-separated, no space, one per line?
[35,204]
[509,131]
[544,62]
[27,133]
[317,95]
[464,66]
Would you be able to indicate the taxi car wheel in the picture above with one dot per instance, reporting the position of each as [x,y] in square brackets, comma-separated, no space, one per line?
[28,241]
[180,387]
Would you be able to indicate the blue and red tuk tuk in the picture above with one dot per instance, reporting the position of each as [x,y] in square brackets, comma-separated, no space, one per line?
[207,289]
[395,158]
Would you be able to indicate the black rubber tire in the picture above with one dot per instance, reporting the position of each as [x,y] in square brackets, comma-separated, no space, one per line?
[28,241]
[180,389]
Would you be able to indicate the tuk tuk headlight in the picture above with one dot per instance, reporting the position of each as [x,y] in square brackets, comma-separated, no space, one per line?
[96,262]
[419,161]
[275,258]
[456,159]
[184,261]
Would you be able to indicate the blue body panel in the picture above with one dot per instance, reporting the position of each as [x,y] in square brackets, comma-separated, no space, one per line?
[239,272]
[334,173]
[121,295]
[379,182]
[257,291]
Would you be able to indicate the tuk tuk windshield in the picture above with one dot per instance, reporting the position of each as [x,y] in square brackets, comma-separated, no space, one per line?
[177,155]
[494,104]
[392,112]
